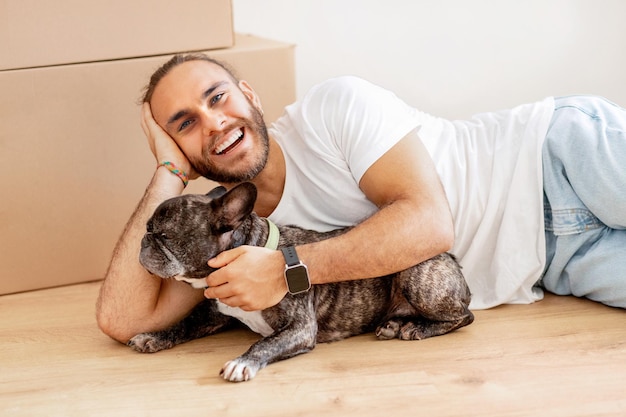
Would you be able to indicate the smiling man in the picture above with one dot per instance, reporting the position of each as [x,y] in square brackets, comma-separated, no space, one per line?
[210,123]
[202,120]
[349,154]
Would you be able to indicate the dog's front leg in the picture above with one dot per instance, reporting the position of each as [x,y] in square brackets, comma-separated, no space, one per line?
[297,337]
[204,320]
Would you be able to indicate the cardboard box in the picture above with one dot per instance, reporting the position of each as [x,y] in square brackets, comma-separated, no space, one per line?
[36,33]
[75,161]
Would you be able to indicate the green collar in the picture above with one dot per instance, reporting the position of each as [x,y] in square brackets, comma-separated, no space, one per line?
[272,237]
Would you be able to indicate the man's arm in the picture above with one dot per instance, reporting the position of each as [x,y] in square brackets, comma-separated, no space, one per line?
[413,224]
[131,300]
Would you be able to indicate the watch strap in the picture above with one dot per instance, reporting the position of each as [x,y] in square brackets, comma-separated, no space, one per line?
[291,257]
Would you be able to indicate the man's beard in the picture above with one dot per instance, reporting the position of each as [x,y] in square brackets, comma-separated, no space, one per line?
[233,175]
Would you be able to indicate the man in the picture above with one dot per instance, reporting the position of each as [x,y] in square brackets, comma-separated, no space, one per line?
[352,153]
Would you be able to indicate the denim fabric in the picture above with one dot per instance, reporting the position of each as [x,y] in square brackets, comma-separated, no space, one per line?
[584,164]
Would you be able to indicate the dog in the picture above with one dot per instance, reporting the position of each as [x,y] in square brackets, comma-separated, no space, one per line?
[429,299]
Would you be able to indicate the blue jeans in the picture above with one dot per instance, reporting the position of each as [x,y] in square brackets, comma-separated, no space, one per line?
[584,163]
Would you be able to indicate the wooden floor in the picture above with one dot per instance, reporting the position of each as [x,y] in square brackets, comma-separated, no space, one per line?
[559,357]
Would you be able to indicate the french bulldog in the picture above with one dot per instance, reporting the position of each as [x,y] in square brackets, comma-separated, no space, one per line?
[426,300]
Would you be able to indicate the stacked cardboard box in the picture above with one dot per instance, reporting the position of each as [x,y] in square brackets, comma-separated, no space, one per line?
[74,159]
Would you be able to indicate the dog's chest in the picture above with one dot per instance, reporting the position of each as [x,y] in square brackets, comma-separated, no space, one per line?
[253,319]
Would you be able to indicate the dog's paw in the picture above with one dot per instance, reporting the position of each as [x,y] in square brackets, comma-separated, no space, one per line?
[403,329]
[388,330]
[148,343]
[239,370]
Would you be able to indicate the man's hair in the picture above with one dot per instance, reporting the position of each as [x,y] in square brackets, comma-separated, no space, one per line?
[176,60]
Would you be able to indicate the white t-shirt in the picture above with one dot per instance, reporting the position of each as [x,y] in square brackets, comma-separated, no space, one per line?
[490,167]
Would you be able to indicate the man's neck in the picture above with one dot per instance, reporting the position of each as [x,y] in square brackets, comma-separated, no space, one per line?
[270,182]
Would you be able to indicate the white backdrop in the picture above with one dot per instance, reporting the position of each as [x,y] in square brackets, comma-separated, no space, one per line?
[453,58]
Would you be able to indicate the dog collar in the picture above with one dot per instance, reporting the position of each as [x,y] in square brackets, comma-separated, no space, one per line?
[272,237]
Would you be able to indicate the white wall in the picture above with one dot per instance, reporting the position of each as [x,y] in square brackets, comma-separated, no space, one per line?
[453,58]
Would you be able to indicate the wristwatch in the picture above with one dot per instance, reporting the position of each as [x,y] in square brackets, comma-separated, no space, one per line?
[296,273]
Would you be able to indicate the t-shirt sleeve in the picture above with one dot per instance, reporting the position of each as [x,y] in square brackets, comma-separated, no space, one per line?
[357,120]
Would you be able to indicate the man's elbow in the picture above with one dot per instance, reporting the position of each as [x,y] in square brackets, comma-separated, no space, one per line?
[447,239]
[443,240]
[110,326]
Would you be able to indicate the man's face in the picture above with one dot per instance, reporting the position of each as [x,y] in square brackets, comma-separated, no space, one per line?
[213,120]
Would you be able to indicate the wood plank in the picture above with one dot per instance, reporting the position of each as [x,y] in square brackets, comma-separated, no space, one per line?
[559,357]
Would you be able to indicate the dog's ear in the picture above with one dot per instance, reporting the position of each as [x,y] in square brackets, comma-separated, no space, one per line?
[234,206]
[217,192]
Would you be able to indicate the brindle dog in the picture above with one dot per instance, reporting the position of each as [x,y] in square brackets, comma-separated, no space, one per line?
[429,299]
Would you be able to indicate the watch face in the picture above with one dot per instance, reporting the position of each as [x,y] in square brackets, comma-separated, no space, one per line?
[297,279]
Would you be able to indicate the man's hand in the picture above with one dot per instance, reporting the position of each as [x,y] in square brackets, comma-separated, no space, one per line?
[249,277]
[163,147]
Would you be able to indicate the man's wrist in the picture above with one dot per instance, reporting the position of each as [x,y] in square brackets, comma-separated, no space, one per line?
[175,170]
[164,180]
[296,272]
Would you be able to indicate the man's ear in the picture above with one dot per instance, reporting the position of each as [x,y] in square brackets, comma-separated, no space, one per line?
[249,92]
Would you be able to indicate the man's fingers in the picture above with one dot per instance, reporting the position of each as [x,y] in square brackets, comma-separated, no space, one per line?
[146,118]
[230,301]
[223,296]
[224,258]
[148,125]
[212,292]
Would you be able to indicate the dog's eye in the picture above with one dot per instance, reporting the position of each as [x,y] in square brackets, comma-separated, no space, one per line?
[163,236]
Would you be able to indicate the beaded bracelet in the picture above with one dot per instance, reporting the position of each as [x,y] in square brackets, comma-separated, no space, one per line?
[176,171]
